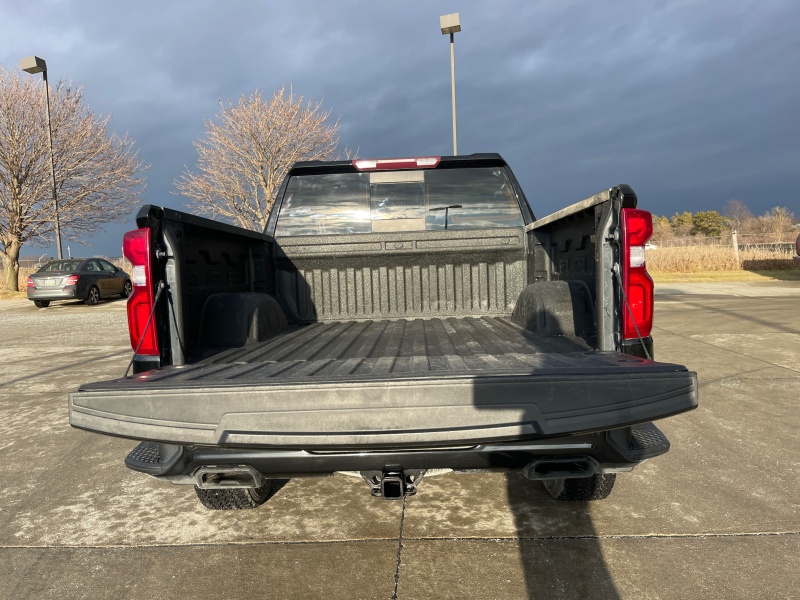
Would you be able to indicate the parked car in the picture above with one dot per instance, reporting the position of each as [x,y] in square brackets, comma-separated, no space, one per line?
[87,279]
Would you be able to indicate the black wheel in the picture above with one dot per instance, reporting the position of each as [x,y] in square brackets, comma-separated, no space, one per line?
[94,296]
[234,498]
[41,303]
[127,289]
[584,489]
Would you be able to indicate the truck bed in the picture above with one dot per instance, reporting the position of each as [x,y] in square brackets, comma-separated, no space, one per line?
[437,381]
[391,348]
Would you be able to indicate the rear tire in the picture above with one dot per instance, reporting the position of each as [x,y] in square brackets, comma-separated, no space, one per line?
[583,489]
[234,498]
[93,299]
[41,303]
[126,289]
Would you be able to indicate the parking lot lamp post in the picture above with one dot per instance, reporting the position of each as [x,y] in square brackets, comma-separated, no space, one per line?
[34,64]
[451,24]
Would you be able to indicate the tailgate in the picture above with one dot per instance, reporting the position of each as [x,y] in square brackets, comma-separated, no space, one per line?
[358,402]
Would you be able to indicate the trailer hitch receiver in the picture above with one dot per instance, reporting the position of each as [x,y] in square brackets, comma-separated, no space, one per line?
[393,484]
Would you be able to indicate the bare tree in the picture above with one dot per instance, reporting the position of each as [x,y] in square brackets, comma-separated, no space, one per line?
[97,174]
[779,222]
[736,213]
[248,149]
[662,229]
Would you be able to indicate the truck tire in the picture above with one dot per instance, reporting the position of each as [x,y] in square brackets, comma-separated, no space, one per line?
[583,489]
[234,498]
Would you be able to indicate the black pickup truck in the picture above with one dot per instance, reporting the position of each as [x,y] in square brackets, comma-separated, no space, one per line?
[397,318]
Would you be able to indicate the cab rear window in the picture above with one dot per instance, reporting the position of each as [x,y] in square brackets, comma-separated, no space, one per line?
[386,201]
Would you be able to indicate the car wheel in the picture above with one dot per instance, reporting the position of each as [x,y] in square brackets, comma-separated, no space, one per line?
[41,303]
[127,289]
[94,296]
[583,489]
[235,498]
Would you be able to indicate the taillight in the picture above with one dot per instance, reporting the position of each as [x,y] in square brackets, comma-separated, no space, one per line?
[30,282]
[136,248]
[381,164]
[72,280]
[637,227]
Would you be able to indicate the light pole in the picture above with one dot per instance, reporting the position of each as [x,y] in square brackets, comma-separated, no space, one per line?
[451,24]
[34,64]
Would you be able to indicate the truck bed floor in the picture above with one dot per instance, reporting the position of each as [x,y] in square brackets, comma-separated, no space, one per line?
[390,347]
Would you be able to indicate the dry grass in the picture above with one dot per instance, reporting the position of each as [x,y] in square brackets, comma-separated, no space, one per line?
[21,280]
[696,259]
[4,295]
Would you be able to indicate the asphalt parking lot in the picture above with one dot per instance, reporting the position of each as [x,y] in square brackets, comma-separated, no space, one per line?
[717,517]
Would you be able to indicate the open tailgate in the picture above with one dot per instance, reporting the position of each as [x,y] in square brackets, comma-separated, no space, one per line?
[418,401]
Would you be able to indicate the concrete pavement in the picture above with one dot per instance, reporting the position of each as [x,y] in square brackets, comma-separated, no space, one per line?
[717,517]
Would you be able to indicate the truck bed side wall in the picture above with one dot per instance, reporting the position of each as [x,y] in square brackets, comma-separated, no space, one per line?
[578,243]
[206,258]
[564,250]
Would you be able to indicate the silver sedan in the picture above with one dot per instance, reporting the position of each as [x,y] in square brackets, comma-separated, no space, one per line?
[87,279]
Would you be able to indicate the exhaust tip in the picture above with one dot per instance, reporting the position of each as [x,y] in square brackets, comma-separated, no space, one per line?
[574,467]
[216,478]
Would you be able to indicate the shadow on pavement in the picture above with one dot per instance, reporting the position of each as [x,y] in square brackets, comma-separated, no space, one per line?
[754,266]
[64,367]
[558,544]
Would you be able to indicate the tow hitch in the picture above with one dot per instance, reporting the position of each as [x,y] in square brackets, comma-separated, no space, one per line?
[393,485]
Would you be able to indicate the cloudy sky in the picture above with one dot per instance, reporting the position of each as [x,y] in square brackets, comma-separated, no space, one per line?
[691,103]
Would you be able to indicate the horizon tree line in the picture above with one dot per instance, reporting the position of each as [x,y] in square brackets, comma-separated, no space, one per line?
[242,158]
[778,224]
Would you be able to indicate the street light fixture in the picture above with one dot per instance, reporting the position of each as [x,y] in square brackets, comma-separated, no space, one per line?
[34,64]
[451,24]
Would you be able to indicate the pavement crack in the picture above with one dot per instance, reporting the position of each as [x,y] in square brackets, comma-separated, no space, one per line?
[633,536]
[399,551]
[402,539]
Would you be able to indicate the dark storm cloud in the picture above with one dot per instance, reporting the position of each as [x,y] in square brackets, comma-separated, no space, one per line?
[693,103]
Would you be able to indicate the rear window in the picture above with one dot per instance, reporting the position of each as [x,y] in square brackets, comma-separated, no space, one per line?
[385,201]
[60,266]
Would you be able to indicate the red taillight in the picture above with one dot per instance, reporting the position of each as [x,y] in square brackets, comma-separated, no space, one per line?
[382,164]
[637,227]
[136,248]
[72,280]
[30,282]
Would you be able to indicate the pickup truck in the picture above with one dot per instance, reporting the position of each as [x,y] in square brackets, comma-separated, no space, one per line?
[397,318]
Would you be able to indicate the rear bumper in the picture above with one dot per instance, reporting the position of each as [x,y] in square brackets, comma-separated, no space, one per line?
[69,293]
[379,414]
[617,450]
